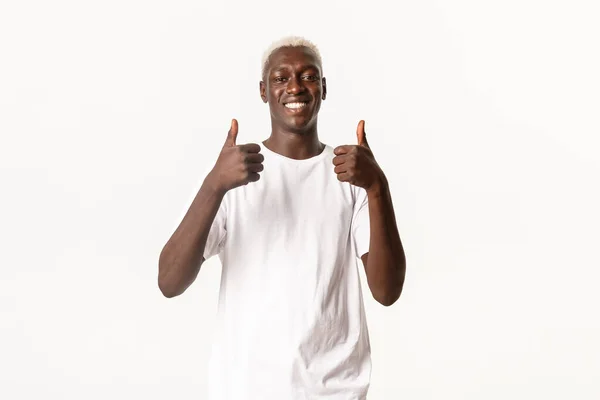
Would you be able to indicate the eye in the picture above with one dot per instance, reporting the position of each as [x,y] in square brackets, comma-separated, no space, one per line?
[311,78]
[279,79]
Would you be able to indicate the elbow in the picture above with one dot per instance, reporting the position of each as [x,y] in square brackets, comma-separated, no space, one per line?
[166,291]
[165,288]
[171,282]
[165,282]
[388,299]
[392,292]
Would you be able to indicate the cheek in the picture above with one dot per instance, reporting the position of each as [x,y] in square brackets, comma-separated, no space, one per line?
[318,103]
[273,95]
[317,93]
[273,101]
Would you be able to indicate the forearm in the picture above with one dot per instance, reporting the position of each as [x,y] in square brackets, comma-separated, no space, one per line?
[386,263]
[182,256]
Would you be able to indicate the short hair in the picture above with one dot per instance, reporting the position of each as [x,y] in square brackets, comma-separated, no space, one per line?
[289,41]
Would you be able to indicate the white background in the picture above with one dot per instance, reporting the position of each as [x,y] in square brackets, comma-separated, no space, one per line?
[483,115]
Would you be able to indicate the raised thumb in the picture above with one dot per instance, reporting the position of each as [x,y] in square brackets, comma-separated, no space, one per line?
[232,134]
[360,134]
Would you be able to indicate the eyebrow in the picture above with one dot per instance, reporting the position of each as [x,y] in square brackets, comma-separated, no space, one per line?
[285,67]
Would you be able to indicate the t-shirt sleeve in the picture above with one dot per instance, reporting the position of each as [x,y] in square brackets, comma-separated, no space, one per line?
[218,233]
[361,228]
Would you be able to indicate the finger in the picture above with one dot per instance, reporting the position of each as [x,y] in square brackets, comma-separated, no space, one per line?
[255,167]
[339,159]
[232,134]
[343,177]
[250,148]
[361,135]
[254,158]
[253,177]
[341,168]
[342,150]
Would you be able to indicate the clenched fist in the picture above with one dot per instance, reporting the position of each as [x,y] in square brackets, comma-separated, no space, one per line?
[356,163]
[237,165]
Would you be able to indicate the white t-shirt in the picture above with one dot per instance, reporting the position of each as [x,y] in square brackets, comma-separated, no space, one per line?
[290,321]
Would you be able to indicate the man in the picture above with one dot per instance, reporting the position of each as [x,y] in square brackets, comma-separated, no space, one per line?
[289,221]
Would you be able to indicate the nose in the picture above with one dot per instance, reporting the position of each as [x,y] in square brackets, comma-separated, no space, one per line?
[295,86]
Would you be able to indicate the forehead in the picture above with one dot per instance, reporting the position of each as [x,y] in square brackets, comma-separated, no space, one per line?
[295,57]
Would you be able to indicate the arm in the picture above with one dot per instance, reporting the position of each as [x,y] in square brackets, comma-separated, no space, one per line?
[182,256]
[385,263]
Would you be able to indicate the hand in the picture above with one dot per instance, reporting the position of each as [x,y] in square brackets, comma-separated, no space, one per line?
[356,164]
[237,165]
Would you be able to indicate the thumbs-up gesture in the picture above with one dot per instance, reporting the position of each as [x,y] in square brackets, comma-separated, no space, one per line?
[237,165]
[356,164]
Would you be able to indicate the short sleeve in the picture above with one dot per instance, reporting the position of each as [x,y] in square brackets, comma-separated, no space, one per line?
[361,227]
[218,233]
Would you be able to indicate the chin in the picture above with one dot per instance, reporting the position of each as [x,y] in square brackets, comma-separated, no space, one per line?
[300,122]
[294,123]
[299,127]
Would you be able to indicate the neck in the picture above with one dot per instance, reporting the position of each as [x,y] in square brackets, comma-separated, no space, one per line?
[298,145]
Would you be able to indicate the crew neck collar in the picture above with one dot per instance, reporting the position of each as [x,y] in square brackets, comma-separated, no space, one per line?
[318,157]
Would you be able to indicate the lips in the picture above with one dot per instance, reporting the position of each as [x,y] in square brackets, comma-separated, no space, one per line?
[296,105]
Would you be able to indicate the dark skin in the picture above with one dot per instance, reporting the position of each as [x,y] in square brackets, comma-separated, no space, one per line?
[294,75]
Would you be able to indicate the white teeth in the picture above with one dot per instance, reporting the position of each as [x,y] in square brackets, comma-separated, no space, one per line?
[295,105]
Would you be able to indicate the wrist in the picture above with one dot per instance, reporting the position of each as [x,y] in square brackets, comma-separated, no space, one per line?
[212,183]
[379,187]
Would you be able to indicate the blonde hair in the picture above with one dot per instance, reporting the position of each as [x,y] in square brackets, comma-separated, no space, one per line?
[289,41]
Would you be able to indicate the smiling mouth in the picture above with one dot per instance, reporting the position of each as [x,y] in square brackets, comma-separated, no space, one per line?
[296,105]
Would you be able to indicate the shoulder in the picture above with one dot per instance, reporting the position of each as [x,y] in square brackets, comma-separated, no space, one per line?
[328,150]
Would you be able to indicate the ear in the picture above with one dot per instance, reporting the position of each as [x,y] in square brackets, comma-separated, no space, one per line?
[263,91]
[324,89]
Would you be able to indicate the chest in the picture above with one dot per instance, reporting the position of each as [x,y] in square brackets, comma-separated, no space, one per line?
[288,207]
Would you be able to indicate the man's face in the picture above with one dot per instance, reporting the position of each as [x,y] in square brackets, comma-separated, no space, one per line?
[293,87]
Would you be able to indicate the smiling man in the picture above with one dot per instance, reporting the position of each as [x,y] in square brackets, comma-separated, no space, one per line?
[290,221]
